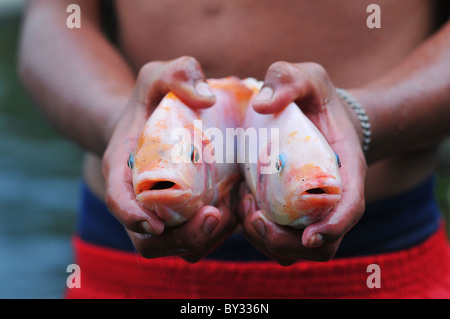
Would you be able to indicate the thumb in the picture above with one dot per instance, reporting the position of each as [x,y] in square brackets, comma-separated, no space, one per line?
[307,84]
[183,76]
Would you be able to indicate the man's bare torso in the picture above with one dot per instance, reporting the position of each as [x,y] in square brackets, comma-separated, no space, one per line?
[243,37]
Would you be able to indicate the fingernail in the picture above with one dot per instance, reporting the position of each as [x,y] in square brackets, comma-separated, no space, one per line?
[210,224]
[264,95]
[203,89]
[147,228]
[316,240]
[258,225]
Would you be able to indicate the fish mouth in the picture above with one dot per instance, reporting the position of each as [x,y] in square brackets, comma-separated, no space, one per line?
[321,187]
[156,185]
[165,194]
[164,187]
[316,198]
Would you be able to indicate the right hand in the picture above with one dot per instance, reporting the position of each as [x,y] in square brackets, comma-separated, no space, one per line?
[210,225]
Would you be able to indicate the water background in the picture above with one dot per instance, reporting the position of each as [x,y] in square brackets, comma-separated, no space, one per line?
[39,179]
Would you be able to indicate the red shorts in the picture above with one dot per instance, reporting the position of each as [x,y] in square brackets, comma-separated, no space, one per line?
[419,272]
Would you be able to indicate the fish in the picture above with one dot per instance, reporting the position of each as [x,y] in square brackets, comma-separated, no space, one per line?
[187,158]
[176,165]
[295,176]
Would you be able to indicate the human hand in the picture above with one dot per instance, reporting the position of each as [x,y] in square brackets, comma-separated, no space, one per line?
[210,224]
[309,86]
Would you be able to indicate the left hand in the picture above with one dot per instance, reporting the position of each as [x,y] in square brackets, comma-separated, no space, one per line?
[309,86]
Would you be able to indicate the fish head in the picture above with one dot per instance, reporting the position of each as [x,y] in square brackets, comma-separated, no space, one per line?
[169,177]
[303,185]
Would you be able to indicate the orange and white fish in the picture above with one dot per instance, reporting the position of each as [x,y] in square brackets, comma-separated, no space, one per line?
[295,179]
[176,165]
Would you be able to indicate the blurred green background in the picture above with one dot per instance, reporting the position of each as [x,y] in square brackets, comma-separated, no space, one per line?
[39,176]
[39,179]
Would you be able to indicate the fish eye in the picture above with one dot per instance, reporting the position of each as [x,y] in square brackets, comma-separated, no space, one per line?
[195,155]
[338,160]
[130,161]
[280,163]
